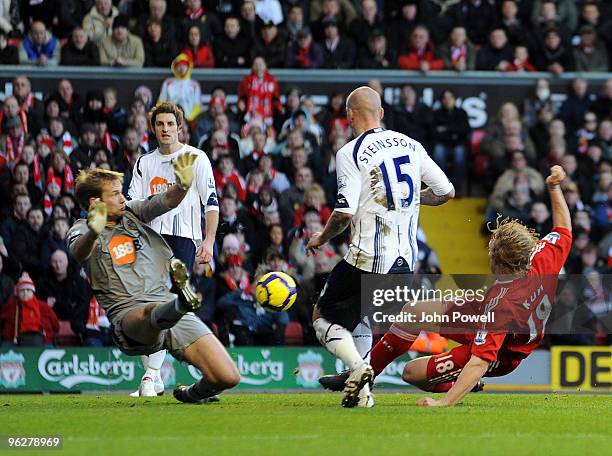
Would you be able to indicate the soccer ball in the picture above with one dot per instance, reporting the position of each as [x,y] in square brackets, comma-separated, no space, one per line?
[276,291]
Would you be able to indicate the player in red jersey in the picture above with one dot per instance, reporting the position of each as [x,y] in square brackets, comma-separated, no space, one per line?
[524,304]
[521,303]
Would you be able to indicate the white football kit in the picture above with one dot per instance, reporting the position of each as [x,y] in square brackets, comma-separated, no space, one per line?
[153,174]
[379,182]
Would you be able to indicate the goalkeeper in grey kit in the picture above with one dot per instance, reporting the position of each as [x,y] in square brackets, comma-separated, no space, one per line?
[143,289]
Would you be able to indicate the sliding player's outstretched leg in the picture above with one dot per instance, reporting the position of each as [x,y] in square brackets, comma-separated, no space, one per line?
[438,373]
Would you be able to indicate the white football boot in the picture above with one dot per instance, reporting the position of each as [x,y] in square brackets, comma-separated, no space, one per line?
[366,401]
[149,387]
[361,376]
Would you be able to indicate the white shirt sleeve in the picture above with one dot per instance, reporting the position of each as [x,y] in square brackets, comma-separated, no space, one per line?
[205,182]
[349,183]
[136,190]
[433,176]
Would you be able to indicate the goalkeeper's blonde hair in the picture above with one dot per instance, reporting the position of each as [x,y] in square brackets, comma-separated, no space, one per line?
[90,182]
[511,245]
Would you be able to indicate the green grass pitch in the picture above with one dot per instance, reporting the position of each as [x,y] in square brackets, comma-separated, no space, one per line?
[296,424]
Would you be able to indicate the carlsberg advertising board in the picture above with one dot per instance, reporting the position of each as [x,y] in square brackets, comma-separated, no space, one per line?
[65,369]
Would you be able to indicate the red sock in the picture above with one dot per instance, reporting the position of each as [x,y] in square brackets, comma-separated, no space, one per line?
[440,387]
[389,347]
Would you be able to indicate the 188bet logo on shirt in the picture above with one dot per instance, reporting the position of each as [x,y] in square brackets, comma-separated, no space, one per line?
[122,249]
[159,185]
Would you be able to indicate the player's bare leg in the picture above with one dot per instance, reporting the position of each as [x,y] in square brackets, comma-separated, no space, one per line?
[415,373]
[218,371]
[136,324]
[144,324]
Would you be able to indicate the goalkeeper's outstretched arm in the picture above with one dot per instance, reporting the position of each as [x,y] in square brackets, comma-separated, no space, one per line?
[152,207]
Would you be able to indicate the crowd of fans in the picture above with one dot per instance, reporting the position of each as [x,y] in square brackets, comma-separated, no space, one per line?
[426,35]
[273,160]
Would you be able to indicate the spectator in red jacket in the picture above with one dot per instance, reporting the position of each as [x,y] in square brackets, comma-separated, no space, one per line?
[25,320]
[200,52]
[421,53]
[521,62]
[258,93]
[225,173]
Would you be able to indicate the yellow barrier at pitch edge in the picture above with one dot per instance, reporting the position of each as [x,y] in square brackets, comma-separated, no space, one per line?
[581,368]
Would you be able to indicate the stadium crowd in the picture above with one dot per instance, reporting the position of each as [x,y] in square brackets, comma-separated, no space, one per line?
[274,161]
[426,35]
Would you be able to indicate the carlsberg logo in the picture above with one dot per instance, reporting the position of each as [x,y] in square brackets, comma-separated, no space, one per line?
[256,372]
[261,371]
[72,370]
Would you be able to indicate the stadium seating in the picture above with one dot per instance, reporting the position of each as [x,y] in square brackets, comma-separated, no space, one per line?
[65,337]
[294,334]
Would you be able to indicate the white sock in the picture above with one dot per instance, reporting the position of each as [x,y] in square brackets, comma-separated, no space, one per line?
[362,336]
[154,363]
[338,341]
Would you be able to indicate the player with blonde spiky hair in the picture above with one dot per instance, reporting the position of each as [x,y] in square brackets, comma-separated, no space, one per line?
[527,270]
[511,244]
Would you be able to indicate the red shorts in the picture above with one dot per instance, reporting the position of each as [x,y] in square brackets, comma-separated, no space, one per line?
[447,366]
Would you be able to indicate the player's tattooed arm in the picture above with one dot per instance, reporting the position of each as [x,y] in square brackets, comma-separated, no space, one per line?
[429,198]
[337,223]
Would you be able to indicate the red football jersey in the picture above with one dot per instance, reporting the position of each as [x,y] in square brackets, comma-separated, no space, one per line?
[522,306]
